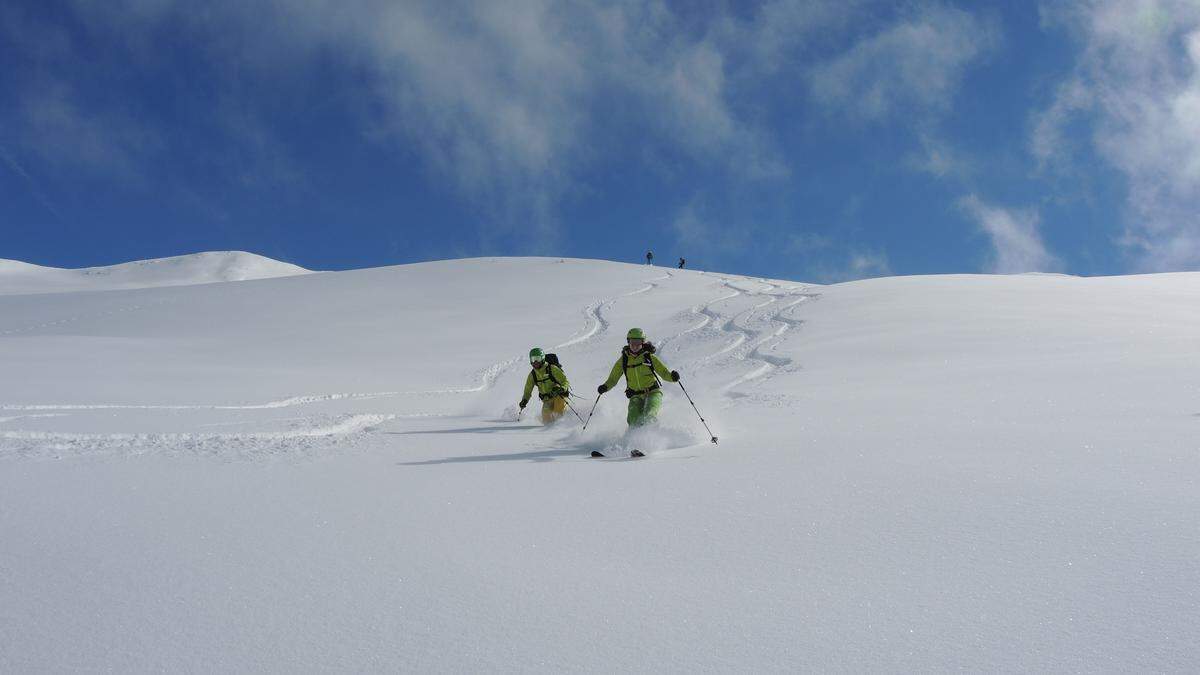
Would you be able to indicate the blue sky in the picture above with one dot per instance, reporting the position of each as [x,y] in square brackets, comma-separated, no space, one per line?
[821,140]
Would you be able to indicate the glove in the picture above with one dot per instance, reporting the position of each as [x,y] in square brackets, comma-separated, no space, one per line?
[674,375]
[558,391]
[524,402]
[602,388]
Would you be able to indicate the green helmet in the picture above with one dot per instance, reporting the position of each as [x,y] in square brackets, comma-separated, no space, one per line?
[536,354]
[636,334]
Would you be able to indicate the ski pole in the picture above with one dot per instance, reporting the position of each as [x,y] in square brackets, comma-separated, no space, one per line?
[589,419]
[689,398]
[572,409]
[520,411]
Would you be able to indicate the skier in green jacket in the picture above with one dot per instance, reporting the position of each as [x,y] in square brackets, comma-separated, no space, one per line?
[642,370]
[553,387]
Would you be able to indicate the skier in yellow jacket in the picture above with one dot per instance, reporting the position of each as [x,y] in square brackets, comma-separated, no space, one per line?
[641,369]
[553,387]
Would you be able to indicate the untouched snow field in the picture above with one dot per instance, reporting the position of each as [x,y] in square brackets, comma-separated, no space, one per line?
[323,472]
[18,278]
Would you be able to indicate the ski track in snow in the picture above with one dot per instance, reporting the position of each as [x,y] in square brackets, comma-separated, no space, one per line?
[302,439]
[14,418]
[595,326]
[749,343]
[269,405]
[56,444]
[595,312]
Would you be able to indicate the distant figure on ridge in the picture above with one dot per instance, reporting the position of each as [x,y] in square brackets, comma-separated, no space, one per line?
[641,369]
[553,387]
[682,262]
[649,257]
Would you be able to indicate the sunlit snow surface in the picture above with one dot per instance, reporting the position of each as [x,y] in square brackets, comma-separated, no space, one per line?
[198,268]
[324,472]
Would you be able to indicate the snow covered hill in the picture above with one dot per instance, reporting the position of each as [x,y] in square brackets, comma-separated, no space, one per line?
[324,472]
[198,268]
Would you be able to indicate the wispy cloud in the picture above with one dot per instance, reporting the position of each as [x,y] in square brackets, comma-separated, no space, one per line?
[1136,88]
[868,264]
[808,242]
[1017,244]
[831,268]
[912,66]
[55,127]
[510,103]
[908,75]
[696,231]
[513,104]
[31,183]
[938,157]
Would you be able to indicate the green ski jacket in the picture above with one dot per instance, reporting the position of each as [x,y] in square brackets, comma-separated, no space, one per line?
[639,376]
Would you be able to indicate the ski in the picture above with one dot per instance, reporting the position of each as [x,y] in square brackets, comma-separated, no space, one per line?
[632,453]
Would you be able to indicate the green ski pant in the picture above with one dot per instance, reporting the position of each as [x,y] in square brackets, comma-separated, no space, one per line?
[643,408]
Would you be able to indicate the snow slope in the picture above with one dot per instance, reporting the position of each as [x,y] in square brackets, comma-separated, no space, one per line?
[198,268]
[323,472]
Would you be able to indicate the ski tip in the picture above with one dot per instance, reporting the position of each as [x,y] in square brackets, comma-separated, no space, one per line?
[597,453]
[637,453]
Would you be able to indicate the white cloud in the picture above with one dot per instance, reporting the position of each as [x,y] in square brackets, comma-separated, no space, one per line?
[512,103]
[1137,84]
[854,265]
[54,126]
[914,65]
[1017,245]
[34,189]
[509,102]
[940,158]
[696,232]
[869,264]
[807,242]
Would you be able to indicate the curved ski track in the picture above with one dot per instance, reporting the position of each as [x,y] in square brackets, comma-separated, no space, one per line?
[300,440]
[750,343]
[26,442]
